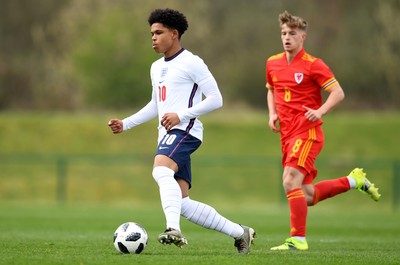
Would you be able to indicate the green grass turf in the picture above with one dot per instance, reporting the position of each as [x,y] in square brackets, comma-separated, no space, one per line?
[83,235]
[239,153]
[237,166]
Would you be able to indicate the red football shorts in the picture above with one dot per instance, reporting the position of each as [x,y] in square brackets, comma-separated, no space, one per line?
[301,150]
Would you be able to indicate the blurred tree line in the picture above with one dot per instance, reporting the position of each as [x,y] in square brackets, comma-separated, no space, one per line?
[80,54]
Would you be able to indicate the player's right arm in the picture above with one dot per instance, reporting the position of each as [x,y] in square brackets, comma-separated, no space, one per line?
[273,114]
[116,125]
[147,113]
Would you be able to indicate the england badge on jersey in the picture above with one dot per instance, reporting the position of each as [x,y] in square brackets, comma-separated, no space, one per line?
[164,72]
[298,77]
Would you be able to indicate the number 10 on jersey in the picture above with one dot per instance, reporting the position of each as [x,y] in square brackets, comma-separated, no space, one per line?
[162,93]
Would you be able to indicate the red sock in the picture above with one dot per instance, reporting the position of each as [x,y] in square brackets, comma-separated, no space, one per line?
[329,188]
[298,212]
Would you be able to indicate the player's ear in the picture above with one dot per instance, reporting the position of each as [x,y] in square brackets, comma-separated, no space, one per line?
[175,34]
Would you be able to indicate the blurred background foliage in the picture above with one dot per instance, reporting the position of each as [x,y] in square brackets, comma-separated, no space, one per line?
[91,54]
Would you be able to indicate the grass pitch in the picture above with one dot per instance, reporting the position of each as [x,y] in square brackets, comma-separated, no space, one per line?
[83,235]
[43,222]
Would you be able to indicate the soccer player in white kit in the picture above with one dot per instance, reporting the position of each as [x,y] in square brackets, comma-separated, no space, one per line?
[179,80]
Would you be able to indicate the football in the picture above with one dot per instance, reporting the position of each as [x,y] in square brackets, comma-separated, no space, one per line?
[130,238]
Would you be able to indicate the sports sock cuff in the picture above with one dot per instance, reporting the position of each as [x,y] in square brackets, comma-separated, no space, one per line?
[352,182]
[161,171]
[298,192]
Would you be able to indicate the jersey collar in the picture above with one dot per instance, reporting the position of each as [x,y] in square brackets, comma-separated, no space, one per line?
[174,56]
[298,55]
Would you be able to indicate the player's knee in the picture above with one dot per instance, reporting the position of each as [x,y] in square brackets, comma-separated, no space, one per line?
[292,179]
[290,184]
[310,199]
[287,186]
[161,172]
[309,192]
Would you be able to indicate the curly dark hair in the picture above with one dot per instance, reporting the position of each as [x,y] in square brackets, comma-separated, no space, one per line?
[170,18]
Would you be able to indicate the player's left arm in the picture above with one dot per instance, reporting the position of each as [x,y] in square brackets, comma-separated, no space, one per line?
[336,95]
[213,100]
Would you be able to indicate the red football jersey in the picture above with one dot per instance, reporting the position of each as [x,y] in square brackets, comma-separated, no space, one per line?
[295,85]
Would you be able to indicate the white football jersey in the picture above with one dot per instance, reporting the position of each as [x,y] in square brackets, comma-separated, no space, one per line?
[179,83]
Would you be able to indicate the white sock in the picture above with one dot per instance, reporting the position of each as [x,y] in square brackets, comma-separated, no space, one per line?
[301,238]
[170,194]
[207,217]
[352,182]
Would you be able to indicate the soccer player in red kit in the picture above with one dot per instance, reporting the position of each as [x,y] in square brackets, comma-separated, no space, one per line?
[295,80]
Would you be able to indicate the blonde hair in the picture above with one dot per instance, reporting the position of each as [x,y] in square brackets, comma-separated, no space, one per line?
[291,21]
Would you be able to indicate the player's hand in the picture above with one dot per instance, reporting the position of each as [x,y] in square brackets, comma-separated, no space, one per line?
[312,114]
[169,120]
[273,119]
[116,125]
